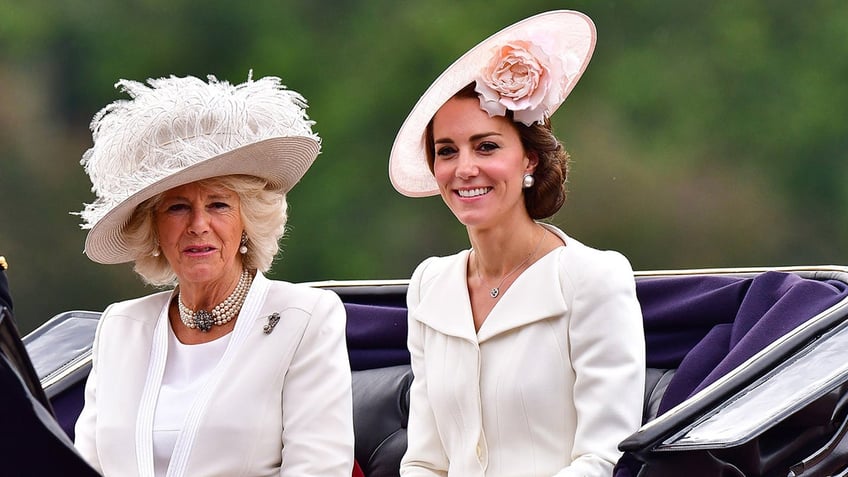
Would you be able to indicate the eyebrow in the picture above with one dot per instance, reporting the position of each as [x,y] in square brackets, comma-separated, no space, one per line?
[475,137]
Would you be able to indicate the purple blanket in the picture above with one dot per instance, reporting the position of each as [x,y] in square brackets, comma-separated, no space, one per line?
[706,326]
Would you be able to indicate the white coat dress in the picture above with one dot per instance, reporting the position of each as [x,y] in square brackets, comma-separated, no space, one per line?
[276,404]
[548,386]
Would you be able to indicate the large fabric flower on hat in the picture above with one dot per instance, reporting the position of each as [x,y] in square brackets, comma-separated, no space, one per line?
[524,79]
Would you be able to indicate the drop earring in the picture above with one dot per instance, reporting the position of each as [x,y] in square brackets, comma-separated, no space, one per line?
[243,244]
[528,181]
[155,251]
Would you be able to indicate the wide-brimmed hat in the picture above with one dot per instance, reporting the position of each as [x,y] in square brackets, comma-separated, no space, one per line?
[529,68]
[175,131]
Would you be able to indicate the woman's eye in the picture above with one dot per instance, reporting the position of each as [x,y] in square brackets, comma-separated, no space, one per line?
[445,151]
[222,206]
[487,146]
[177,208]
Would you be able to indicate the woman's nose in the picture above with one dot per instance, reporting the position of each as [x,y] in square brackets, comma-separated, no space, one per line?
[466,167]
[199,223]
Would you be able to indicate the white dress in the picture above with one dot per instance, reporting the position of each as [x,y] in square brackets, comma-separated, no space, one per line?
[187,369]
[550,384]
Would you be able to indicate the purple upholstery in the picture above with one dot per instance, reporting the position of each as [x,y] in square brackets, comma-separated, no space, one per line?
[706,326]
[67,406]
[376,336]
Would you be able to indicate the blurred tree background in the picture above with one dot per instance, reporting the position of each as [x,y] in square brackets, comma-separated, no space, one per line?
[703,134]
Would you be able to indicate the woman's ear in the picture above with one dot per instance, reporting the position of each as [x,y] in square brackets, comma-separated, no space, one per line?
[532,162]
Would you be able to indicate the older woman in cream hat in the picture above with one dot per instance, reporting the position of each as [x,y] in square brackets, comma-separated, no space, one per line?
[527,349]
[228,372]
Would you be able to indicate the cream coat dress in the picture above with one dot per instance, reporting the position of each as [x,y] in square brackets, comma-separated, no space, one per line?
[275,404]
[550,384]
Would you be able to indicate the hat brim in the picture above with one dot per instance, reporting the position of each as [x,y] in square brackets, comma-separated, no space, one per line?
[282,161]
[408,170]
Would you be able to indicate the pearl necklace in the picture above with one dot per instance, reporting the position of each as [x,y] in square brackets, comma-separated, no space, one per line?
[496,291]
[222,313]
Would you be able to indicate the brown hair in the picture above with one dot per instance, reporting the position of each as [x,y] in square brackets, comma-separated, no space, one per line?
[547,195]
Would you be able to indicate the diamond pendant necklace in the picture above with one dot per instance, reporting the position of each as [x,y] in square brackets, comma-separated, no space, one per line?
[496,291]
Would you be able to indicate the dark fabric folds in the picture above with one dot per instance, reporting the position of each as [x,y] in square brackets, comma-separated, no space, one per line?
[376,336]
[705,326]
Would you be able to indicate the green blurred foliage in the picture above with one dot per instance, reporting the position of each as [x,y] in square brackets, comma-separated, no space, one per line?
[703,134]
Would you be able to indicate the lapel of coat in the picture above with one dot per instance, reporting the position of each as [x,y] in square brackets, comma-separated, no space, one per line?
[150,391]
[445,305]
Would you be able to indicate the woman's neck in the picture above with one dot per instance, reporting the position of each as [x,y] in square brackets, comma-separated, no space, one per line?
[206,295]
[499,250]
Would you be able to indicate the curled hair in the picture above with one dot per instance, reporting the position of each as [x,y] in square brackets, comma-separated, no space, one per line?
[547,195]
[263,213]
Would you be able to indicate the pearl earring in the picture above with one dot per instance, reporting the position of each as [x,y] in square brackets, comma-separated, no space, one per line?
[155,252]
[243,247]
[528,181]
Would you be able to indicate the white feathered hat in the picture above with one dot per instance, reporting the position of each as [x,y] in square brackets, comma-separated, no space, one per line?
[175,131]
[529,68]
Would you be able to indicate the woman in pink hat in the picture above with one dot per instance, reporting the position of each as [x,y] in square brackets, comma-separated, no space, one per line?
[226,372]
[527,349]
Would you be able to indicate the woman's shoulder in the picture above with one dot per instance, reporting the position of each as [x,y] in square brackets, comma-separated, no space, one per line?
[139,306]
[143,311]
[584,262]
[297,295]
[434,266]
[579,251]
[295,290]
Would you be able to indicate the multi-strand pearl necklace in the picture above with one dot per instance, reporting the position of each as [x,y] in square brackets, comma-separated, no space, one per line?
[222,313]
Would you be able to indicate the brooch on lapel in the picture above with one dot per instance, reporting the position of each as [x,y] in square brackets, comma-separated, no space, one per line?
[273,319]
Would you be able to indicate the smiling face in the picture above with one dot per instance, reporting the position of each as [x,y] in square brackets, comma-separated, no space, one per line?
[199,229]
[479,164]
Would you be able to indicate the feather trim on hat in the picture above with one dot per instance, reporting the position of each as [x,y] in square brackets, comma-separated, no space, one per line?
[172,123]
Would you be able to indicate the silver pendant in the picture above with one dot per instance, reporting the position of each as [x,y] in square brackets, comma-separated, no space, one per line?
[495,292]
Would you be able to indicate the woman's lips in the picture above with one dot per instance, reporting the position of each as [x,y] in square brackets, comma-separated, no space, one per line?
[199,249]
[473,192]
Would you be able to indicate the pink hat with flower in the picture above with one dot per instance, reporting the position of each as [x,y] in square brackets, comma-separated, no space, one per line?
[529,68]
